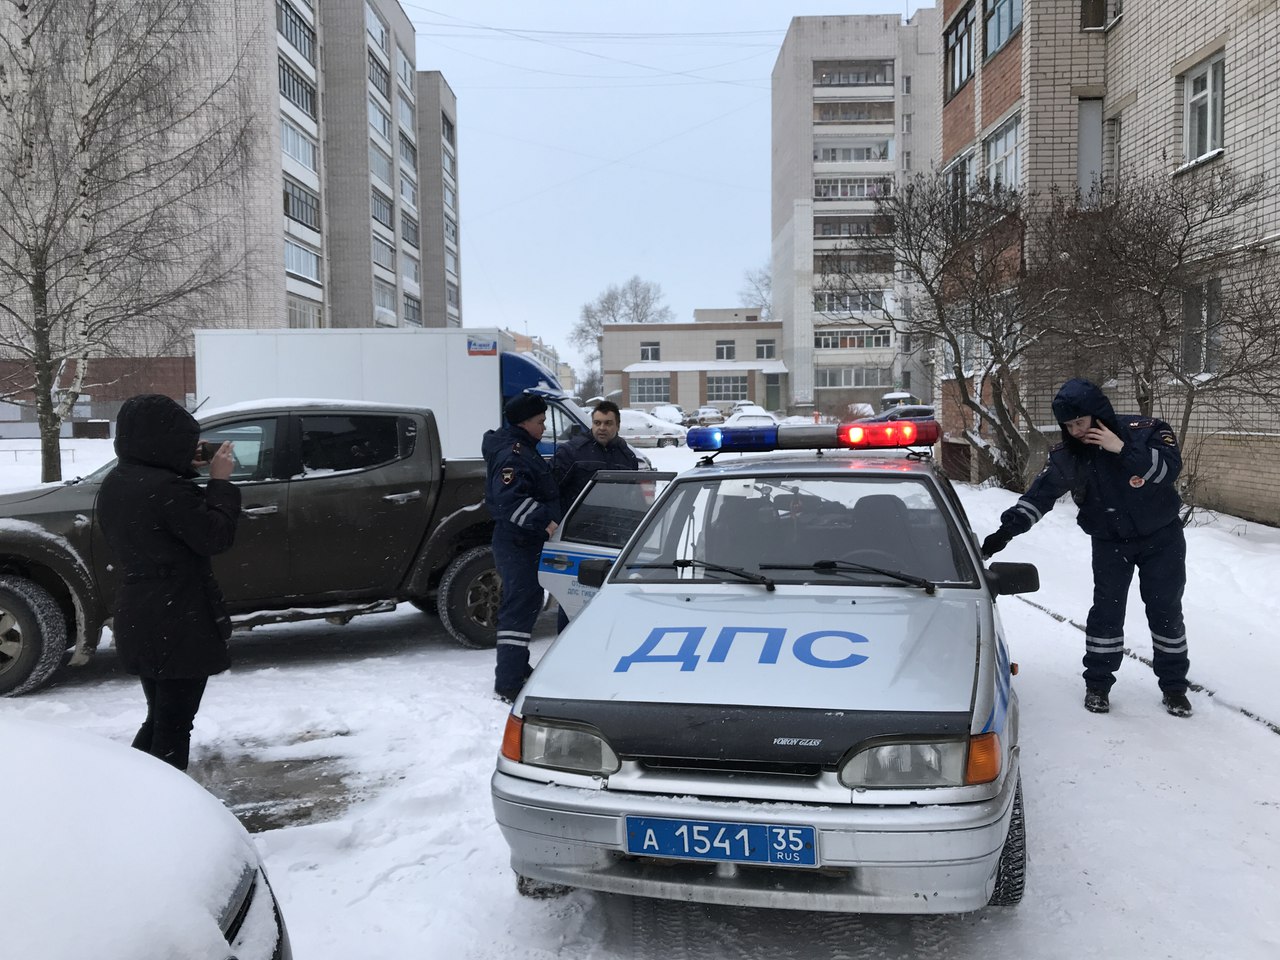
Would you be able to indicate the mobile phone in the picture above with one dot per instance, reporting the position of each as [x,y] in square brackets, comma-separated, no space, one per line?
[207,450]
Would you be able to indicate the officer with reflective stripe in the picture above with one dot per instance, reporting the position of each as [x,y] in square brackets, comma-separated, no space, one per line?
[1120,472]
[524,500]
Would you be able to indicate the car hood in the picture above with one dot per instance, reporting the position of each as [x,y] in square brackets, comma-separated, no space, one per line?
[114,853]
[32,493]
[848,648]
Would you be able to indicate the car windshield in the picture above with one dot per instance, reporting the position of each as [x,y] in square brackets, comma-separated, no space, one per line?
[832,529]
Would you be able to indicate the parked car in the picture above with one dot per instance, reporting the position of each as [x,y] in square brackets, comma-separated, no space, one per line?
[642,429]
[750,415]
[118,856]
[708,416]
[670,412]
[793,689]
[904,411]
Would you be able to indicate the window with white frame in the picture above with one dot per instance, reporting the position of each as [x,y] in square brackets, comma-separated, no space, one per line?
[380,164]
[379,76]
[906,123]
[410,270]
[303,314]
[446,129]
[958,41]
[650,350]
[377,28]
[833,151]
[408,153]
[301,204]
[295,88]
[726,350]
[450,198]
[724,387]
[379,119]
[1001,155]
[836,377]
[451,262]
[412,310]
[1202,328]
[766,349]
[451,294]
[446,160]
[384,254]
[834,301]
[650,389]
[298,146]
[450,230]
[407,118]
[409,230]
[381,208]
[864,338]
[384,302]
[296,30]
[850,188]
[300,261]
[1202,91]
[906,83]
[404,67]
[1002,18]
[408,191]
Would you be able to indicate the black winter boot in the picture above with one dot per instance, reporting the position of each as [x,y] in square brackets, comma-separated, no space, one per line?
[1177,704]
[1097,701]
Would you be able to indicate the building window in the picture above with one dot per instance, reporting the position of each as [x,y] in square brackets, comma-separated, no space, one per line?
[650,389]
[379,76]
[906,83]
[301,204]
[409,230]
[650,350]
[835,377]
[382,208]
[1003,17]
[377,29]
[725,350]
[1201,328]
[380,164]
[384,302]
[724,388]
[906,123]
[1001,155]
[450,198]
[404,67]
[828,301]
[446,160]
[379,119]
[766,349]
[906,159]
[384,254]
[450,230]
[1093,13]
[412,310]
[958,41]
[852,73]
[845,227]
[408,152]
[850,188]
[853,111]
[296,30]
[295,88]
[451,294]
[1114,139]
[298,146]
[446,129]
[1202,90]
[303,314]
[906,380]
[865,338]
[408,191]
[451,262]
[406,114]
[411,273]
[301,261]
[830,151]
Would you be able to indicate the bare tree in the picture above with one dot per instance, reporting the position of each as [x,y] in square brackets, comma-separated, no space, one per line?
[960,257]
[636,301]
[123,139]
[757,291]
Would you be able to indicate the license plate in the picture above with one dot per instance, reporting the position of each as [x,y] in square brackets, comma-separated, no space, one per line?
[779,845]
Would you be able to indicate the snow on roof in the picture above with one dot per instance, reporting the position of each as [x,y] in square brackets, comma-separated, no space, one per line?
[710,366]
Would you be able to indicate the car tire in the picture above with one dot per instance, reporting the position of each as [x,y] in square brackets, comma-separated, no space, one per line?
[540,889]
[1011,874]
[467,599]
[33,636]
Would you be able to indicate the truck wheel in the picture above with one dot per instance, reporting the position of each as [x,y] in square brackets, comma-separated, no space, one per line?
[33,635]
[468,597]
[1011,874]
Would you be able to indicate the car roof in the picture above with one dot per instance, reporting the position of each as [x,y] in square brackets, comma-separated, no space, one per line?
[856,462]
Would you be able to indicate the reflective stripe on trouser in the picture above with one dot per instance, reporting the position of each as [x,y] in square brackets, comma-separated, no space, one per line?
[517,566]
[1160,559]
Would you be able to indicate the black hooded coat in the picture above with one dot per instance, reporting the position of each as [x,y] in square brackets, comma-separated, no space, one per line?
[170,621]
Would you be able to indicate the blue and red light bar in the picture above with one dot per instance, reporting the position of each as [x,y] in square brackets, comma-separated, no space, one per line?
[801,436]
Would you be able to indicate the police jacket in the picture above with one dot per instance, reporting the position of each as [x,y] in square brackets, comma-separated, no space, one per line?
[578,461]
[520,491]
[161,529]
[1119,495]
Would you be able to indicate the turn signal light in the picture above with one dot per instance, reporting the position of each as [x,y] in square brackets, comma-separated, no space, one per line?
[511,738]
[983,765]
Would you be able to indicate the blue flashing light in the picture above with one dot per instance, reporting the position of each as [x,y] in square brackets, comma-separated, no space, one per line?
[733,439]
[703,438]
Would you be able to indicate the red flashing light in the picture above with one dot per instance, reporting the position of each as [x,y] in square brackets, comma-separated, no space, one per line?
[894,433]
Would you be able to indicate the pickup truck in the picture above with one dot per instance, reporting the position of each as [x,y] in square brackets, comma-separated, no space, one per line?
[348,508]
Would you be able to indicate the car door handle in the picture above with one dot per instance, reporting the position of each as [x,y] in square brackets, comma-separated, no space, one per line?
[404,497]
[260,511]
[558,562]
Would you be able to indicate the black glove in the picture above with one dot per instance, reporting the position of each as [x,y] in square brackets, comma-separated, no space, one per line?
[996,542]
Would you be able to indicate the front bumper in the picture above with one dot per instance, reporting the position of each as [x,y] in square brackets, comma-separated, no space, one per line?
[922,859]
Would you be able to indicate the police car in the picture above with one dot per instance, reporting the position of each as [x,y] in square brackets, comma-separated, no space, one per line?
[793,689]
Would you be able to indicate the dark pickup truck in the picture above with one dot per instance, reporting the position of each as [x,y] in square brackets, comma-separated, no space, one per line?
[348,508]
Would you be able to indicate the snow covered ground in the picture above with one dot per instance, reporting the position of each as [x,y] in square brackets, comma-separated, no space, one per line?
[1149,836]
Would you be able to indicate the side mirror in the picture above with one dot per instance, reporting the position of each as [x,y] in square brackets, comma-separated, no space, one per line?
[1006,579]
[591,573]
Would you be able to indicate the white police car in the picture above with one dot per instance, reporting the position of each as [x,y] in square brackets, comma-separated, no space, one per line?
[792,691]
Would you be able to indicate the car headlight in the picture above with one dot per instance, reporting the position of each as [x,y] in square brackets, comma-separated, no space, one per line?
[572,747]
[935,763]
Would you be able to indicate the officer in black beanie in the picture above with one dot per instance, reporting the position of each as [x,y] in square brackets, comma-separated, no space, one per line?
[523,498]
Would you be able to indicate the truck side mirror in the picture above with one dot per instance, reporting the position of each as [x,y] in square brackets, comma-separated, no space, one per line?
[591,573]
[1005,579]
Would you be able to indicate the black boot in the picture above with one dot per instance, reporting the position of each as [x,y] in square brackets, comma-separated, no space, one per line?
[1177,704]
[1097,701]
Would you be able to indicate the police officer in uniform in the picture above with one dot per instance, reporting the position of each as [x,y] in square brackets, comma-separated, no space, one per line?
[1120,471]
[524,500]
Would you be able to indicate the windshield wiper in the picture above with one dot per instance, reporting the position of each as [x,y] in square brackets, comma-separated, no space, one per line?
[706,565]
[848,566]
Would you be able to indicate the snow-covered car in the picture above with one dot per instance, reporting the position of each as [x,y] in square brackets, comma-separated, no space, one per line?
[670,412]
[642,429]
[902,412]
[793,690]
[708,416]
[750,416]
[113,854]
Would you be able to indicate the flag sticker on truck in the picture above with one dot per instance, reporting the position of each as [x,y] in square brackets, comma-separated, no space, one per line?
[477,347]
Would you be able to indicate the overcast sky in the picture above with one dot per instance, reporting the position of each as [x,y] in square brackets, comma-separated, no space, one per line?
[599,139]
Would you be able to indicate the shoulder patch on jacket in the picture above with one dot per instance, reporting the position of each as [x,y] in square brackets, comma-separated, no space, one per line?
[508,474]
[1167,437]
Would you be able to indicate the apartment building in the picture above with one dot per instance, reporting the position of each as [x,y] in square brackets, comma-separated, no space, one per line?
[1052,95]
[855,108]
[438,163]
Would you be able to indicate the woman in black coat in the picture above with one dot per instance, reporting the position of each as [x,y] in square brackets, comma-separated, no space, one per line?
[170,625]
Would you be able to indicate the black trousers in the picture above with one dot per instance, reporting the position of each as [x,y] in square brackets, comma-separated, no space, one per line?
[171,712]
